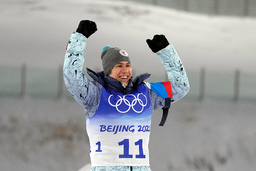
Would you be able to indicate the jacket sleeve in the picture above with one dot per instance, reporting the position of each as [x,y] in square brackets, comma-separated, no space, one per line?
[176,72]
[178,85]
[86,93]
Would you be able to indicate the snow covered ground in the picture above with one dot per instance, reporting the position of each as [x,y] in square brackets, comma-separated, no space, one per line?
[49,135]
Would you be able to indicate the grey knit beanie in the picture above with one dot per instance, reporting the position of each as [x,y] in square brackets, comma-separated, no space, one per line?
[111,56]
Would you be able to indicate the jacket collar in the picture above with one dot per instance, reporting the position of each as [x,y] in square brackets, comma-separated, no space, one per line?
[112,84]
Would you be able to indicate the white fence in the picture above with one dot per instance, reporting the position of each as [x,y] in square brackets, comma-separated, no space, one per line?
[48,83]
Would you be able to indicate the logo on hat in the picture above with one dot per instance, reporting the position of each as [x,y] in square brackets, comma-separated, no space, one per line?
[122,52]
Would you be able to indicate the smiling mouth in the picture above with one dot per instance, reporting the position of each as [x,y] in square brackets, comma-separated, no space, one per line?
[123,77]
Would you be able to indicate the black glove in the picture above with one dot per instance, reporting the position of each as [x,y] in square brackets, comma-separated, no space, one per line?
[158,42]
[87,28]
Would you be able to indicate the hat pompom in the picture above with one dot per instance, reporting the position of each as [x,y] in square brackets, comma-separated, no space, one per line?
[105,48]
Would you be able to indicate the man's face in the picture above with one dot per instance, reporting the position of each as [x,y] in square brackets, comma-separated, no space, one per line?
[122,72]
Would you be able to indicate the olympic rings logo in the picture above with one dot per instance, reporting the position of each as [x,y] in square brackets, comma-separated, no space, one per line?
[136,100]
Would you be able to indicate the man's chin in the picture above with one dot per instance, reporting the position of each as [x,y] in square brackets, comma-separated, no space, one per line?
[124,81]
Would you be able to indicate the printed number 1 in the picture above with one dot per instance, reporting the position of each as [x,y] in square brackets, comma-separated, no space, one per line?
[99,147]
[126,154]
[141,155]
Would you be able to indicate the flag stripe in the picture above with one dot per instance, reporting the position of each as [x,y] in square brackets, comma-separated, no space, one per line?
[168,88]
[163,89]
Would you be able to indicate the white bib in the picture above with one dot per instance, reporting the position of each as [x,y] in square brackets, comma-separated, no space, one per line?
[119,130]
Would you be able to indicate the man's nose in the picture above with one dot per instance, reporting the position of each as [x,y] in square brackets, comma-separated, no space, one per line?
[124,69]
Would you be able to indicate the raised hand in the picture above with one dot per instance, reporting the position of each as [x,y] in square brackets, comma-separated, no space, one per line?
[87,28]
[158,42]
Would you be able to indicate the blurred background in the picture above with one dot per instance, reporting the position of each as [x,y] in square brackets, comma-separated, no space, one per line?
[211,129]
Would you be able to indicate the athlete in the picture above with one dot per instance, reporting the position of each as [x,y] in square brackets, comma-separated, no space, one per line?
[118,108]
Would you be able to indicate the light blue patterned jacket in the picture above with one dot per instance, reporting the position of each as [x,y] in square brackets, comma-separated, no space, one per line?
[87,93]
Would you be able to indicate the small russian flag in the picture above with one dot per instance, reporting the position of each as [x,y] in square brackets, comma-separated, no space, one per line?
[163,89]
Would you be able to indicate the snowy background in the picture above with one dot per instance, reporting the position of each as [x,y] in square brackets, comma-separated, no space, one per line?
[49,135]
